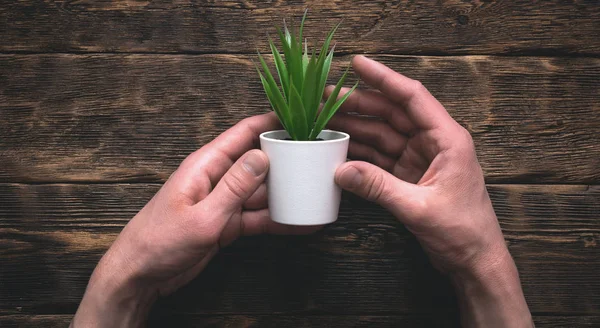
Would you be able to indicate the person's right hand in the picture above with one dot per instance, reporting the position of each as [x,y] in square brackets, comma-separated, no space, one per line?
[421,166]
[425,169]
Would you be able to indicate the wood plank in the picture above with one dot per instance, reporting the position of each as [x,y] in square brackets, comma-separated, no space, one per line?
[94,118]
[400,27]
[53,235]
[233,321]
[33,321]
[351,321]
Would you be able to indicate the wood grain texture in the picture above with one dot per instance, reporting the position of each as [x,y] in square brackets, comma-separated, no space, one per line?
[34,321]
[78,124]
[366,263]
[399,27]
[125,118]
[239,321]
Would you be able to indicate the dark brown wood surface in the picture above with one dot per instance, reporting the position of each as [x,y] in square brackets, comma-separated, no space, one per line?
[380,26]
[275,321]
[552,232]
[100,101]
[135,117]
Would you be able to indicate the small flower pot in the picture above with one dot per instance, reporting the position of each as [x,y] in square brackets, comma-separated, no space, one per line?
[300,182]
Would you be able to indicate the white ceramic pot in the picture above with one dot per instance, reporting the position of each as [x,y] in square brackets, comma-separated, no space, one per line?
[300,182]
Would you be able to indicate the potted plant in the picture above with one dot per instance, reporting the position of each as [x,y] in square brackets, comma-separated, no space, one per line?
[303,157]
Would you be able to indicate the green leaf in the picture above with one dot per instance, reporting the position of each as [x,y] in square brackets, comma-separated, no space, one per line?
[331,106]
[325,47]
[288,37]
[311,104]
[302,24]
[302,81]
[287,51]
[298,115]
[293,57]
[281,69]
[322,71]
[305,59]
[325,73]
[300,39]
[274,94]
[269,94]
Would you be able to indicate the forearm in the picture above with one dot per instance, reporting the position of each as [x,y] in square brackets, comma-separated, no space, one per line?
[113,298]
[491,295]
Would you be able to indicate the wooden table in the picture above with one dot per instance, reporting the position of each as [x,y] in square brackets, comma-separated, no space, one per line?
[100,101]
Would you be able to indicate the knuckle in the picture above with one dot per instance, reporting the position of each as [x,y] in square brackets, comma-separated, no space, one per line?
[376,188]
[419,207]
[191,158]
[247,120]
[466,136]
[381,134]
[246,123]
[417,87]
[235,184]
[356,101]
[385,80]
[176,202]
[464,144]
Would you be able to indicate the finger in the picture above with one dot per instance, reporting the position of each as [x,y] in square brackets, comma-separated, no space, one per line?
[374,103]
[259,222]
[244,135]
[374,184]
[421,107]
[258,200]
[372,132]
[237,185]
[362,152]
[201,170]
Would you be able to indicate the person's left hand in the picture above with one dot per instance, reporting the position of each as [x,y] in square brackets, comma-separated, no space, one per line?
[216,195]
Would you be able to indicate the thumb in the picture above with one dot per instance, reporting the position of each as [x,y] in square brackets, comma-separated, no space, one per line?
[239,182]
[375,184]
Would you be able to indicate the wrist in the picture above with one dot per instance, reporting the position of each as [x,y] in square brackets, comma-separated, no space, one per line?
[491,261]
[490,293]
[114,297]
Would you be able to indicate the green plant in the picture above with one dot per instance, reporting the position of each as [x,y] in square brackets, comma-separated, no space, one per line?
[303,79]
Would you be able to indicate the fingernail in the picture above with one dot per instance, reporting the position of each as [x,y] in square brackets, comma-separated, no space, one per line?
[255,164]
[350,178]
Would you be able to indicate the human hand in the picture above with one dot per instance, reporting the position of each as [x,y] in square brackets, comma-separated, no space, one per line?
[422,167]
[216,195]
[425,169]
